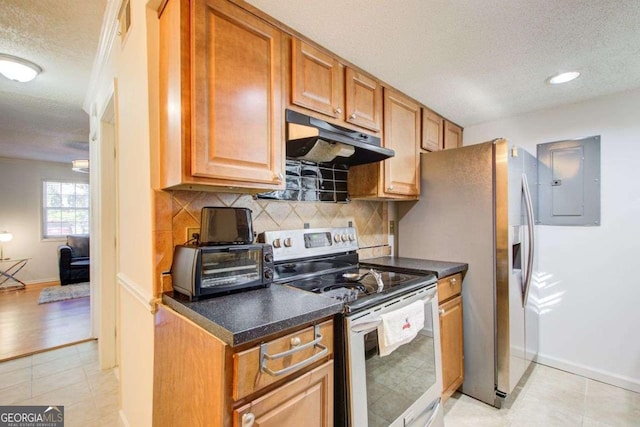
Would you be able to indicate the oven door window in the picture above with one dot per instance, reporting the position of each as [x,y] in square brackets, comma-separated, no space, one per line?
[231,268]
[396,381]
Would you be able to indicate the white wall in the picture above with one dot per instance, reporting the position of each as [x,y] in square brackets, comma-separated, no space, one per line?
[124,74]
[21,214]
[592,291]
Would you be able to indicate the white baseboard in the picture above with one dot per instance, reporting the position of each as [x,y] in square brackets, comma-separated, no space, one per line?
[123,419]
[37,281]
[621,381]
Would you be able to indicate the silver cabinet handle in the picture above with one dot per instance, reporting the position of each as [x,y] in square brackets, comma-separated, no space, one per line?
[265,357]
[390,188]
[280,176]
[441,311]
[452,281]
[338,110]
[248,419]
[353,116]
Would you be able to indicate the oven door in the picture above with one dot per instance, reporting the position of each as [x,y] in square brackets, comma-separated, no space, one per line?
[404,387]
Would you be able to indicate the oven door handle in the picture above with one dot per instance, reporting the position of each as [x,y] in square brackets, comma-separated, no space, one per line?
[372,324]
[265,357]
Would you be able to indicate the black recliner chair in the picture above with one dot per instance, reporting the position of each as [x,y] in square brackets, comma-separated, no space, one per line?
[73,260]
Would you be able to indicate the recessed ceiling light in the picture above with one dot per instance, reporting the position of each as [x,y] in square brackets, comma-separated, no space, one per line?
[563,77]
[18,69]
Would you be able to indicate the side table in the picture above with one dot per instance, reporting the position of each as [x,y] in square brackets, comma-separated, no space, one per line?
[8,279]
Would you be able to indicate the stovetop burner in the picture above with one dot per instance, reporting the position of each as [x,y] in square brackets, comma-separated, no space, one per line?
[363,292]
[316,259]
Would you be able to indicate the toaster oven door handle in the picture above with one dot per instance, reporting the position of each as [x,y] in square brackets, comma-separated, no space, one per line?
[265,357]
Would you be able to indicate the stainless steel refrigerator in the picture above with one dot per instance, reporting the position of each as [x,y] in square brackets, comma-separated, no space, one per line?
[477,206]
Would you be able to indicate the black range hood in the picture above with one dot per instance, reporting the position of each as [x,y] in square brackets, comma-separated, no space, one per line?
[318,141]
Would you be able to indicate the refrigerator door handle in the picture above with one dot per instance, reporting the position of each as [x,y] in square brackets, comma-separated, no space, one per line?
[530,225]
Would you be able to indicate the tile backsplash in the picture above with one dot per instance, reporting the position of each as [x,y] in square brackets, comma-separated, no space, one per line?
[178,214]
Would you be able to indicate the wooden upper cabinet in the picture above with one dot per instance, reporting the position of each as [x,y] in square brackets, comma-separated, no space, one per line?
[231,131]
[316,80]
[322,84]
[363,100]
[452,135]
[401,134]
[432,131]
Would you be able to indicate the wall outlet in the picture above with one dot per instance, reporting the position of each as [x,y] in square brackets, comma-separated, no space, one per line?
[190,231]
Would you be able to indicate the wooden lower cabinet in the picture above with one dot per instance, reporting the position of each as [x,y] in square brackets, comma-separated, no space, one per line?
[451,334]
[306,401]
[200,381]
[188,379]
[452,345]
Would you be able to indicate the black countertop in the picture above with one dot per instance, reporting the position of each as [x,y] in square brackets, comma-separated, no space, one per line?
[439,268]
[247,316]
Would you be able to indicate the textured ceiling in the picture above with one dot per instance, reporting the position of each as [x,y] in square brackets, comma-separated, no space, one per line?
[43,119]
[470,60]
[478,60]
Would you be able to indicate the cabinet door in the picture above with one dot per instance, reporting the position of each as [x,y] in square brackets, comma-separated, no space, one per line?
[317,80]
[306,401]
[363,100]
[452,135]
[451,340]
[432,131]
[237,124]
[401,134]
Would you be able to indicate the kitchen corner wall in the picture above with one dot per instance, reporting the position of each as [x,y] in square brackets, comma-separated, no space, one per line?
[179,211]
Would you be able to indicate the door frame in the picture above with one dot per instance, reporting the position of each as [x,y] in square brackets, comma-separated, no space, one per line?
[104,247]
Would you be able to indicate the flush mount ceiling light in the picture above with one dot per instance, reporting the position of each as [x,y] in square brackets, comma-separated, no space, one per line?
[18,69]
[563,77]
[81,165]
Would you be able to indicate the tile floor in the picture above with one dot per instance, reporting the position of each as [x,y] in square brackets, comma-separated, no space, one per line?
[68,376]
[71,377]
[550,397]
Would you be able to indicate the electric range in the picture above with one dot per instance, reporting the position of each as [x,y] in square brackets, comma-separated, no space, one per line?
[325,261]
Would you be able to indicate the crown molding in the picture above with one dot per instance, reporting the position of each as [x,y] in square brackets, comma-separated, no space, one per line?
[107,36]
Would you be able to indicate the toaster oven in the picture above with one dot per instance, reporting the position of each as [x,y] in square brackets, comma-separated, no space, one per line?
[203,271]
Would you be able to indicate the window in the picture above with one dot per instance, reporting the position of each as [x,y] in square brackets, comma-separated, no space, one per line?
[65,208]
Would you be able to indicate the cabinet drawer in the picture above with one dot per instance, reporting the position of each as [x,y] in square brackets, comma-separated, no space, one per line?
[306,401]
[274,360]
[449,286]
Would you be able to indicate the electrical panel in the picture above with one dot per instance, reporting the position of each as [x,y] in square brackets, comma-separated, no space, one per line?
[569,182]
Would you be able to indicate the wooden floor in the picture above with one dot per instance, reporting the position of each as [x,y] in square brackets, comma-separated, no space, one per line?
[27,327]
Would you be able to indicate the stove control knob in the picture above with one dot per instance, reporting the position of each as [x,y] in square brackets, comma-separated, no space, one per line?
[276,243]
[352,237]
[336,238]
[268,258]
[288,242]
[268,273]
[344,238]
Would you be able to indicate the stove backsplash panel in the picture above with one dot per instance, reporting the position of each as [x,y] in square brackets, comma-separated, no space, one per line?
[177,215]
